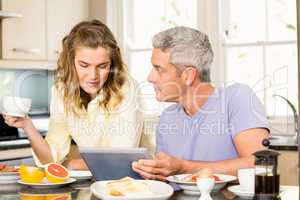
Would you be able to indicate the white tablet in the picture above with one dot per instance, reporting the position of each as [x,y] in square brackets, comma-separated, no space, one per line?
[113,163]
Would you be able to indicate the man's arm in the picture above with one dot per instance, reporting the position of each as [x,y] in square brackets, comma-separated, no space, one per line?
[246,142]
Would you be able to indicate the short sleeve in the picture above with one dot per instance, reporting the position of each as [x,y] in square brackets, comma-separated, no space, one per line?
[245,110]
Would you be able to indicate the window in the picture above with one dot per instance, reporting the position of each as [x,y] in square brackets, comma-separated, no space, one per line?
[143,19]
[254,42]
[259,49]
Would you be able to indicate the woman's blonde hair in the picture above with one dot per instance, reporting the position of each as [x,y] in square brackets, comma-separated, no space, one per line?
[91,34]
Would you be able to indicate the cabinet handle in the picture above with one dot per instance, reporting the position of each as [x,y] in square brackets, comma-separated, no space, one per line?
[56,52]
[23,50]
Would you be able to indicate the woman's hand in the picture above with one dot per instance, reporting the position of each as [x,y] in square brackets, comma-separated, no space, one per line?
[18,122]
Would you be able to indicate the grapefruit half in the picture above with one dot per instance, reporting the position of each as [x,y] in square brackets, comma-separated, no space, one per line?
[56,173]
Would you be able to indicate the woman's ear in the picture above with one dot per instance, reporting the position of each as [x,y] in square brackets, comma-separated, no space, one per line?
[189,75]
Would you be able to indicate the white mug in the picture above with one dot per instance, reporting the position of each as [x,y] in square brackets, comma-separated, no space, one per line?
[15,106]
[247,179]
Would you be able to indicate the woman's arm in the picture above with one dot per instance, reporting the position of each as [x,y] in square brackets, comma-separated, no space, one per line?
[56,145]
[38,143]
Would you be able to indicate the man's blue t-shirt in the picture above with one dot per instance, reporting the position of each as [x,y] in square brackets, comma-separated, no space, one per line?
[209,134]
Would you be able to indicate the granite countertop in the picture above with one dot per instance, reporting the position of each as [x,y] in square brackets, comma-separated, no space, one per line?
[41,123]
[283,143]
[284,147]
[14,144]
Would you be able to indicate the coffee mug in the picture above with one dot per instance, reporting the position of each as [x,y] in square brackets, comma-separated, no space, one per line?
[247,179]
[15,106]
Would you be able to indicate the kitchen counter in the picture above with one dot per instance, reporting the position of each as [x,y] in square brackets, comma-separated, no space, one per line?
[15,154]
[14,144]
[283,143]
[41,123]
[284,147]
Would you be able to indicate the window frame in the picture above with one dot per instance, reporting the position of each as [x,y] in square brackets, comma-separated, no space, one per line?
[283,119]
[213,26]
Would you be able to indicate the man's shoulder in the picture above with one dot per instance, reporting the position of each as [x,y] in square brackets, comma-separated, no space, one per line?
[236,91]
[237,88]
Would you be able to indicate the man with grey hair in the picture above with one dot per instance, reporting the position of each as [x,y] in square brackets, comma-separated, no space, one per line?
[208,127]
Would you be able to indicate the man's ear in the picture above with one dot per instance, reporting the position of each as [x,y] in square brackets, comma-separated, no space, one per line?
[189,75]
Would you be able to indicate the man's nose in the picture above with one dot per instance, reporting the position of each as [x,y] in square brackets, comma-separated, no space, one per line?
[152,76]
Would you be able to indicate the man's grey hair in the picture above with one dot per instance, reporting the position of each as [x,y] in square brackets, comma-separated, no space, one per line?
[188,48]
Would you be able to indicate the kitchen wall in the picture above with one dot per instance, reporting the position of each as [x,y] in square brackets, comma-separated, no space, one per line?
[33,84]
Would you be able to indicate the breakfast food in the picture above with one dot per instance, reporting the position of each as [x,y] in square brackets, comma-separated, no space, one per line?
[216,178]
[30,174]
[56,173]
[202,173]
[7,168]
[128,187]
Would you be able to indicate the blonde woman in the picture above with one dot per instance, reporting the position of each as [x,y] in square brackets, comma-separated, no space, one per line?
[94,102]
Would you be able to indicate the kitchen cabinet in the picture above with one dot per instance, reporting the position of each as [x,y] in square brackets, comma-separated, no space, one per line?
[62,15]
[37,35]
[24,37]
[288,167]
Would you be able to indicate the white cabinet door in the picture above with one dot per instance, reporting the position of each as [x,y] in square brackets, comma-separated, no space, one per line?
[24,37]
[62,15]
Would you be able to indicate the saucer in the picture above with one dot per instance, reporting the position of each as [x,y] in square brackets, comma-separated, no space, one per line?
[237,190]
[14,114]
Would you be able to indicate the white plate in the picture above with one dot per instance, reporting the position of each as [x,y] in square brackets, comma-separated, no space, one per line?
[46,184]
[191,187]
[162,191]
[237,190]
[8,173]
[9,177]
[81,174]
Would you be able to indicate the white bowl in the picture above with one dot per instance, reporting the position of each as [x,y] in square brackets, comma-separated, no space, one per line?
[191,187]
[16,106]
